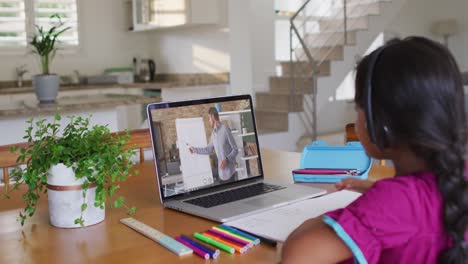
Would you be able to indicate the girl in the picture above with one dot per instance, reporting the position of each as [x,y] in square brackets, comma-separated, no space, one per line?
[410,109]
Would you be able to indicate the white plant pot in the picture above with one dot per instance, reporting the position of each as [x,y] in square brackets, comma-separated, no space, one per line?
[65,196]
[46,87]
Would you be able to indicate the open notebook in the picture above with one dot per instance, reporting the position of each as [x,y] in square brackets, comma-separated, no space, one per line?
[278,223]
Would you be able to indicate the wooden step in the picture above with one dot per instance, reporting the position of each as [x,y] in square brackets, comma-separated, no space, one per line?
[329,39]
[322,53]
[283,84]
[304,68]
[271,122]
[357,10]
[337,25]
[359,2]
[278,102]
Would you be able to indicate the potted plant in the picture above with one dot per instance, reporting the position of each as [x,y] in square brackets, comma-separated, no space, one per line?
[80,170]
[44,42]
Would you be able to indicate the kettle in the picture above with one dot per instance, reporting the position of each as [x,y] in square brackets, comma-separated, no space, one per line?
[145,69]
[152,70]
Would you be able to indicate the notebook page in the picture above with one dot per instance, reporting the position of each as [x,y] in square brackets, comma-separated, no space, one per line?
[278,223]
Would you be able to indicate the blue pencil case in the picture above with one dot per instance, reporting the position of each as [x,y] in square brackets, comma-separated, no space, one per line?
[319,156]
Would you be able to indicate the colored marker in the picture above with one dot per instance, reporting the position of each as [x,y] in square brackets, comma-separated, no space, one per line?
[232,234]
[197,251]
[263,240]
[214,253]
[237,248]
[230,238]
[236,231]
[214,243]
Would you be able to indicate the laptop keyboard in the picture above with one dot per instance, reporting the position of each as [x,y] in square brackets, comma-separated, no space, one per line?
[234,195]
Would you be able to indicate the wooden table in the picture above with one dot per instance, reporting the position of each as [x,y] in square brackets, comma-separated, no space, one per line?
[112,242]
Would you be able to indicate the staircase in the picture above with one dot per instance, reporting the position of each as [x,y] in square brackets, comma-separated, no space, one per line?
[321,45]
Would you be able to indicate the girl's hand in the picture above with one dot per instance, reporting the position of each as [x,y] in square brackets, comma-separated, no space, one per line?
[354,184]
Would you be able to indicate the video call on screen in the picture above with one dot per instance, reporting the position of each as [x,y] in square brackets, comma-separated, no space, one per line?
[200,146]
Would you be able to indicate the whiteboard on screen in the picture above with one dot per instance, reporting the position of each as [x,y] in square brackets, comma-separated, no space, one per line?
[196,169]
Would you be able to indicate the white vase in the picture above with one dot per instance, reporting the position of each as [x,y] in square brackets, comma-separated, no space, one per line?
[46,87]
[65,196]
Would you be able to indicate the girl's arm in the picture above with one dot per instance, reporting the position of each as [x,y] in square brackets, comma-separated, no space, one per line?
[314,242]
[354,184]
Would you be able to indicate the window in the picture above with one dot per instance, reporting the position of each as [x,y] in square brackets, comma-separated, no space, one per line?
[67,10]
[19,17]
[12,23]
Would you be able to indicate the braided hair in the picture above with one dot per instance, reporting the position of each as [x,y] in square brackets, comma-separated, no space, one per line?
[418,94]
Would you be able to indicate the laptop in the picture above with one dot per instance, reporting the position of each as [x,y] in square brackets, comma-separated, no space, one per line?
[208,161]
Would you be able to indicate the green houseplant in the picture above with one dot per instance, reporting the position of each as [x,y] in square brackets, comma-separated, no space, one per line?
[96,158]
[44,45]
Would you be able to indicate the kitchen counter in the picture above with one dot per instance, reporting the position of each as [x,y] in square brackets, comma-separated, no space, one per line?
[30,108]
[118,106]
[153,85]
[162,81]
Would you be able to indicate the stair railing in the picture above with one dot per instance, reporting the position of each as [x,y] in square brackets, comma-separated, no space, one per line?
[307,70]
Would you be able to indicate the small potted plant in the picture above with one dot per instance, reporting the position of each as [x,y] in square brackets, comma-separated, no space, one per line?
[80,170]
[44,42]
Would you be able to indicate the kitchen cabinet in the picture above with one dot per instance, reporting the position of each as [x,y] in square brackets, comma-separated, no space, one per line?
[5,99]
[159,14]
[73,93]
[118,112]
[28,97]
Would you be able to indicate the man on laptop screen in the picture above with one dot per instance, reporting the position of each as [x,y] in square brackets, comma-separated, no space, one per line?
[223,143]
[208,160]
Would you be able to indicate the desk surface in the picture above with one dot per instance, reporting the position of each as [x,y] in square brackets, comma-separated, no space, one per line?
[112,242]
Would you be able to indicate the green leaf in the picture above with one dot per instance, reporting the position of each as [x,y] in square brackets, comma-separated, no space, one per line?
[85,185]
[58,117]
[119,202]
[13,149]
[44,42]
[22,218]
[83,207]
[111,190]
[79,221]
[132,210]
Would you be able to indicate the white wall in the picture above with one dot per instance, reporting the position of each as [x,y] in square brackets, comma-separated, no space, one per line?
[240,47]
[242,44]
[263,43]
[416,18]
[105,42]
[252,39]
[198,49]
[194,49]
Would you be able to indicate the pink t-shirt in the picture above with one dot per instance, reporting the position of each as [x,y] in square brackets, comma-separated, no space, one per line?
[398,220]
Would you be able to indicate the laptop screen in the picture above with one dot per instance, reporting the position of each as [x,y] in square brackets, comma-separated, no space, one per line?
[204,143]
